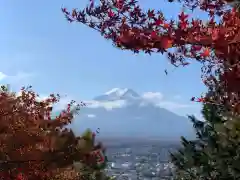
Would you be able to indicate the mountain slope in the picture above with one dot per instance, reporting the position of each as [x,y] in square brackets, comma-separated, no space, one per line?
[117,94]
[123,113]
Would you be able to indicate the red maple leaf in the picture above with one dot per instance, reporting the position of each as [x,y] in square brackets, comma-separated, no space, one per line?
[215,34]
[150,13]
[119,4]
[154,34]
[158,22]
[110,13]
[166,43]
[196,47]
[201,100]
[195,23]
[183,25]
[20,176]
[166,25]
[205,53]
[183,16]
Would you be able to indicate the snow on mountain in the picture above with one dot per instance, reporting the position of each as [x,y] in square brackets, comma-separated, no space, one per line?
[128,94]
[118,94]
[117,91]
[124,113]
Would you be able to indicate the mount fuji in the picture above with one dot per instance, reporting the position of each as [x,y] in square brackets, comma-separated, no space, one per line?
[118,94]
[124,113]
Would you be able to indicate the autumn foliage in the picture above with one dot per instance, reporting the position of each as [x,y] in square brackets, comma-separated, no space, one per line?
[214,43]
[35,144]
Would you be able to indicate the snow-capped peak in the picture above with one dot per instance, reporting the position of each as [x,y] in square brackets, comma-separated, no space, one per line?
[118,94]
[117,91]
[122,92]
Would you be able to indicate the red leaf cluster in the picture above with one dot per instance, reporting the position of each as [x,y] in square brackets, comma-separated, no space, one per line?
[213,43]
[34,143]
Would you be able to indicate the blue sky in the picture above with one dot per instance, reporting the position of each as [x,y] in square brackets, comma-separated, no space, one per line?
[39,47]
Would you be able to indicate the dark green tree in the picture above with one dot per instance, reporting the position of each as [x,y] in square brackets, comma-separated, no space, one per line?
[96,158]
[215,153]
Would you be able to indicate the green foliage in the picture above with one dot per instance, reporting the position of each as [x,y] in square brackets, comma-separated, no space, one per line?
[215,154]
[97,160]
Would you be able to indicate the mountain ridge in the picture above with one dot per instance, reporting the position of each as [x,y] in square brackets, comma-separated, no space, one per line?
[124,113]
[117,94]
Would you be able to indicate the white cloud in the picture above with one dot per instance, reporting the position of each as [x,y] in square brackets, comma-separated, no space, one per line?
[62,104]
[157,99]
[152,95]
[42,97]
[2,76]
[20,78]
[109,105]
[171,105]
[91,115]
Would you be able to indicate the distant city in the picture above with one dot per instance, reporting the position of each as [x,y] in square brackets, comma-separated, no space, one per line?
[142,160]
